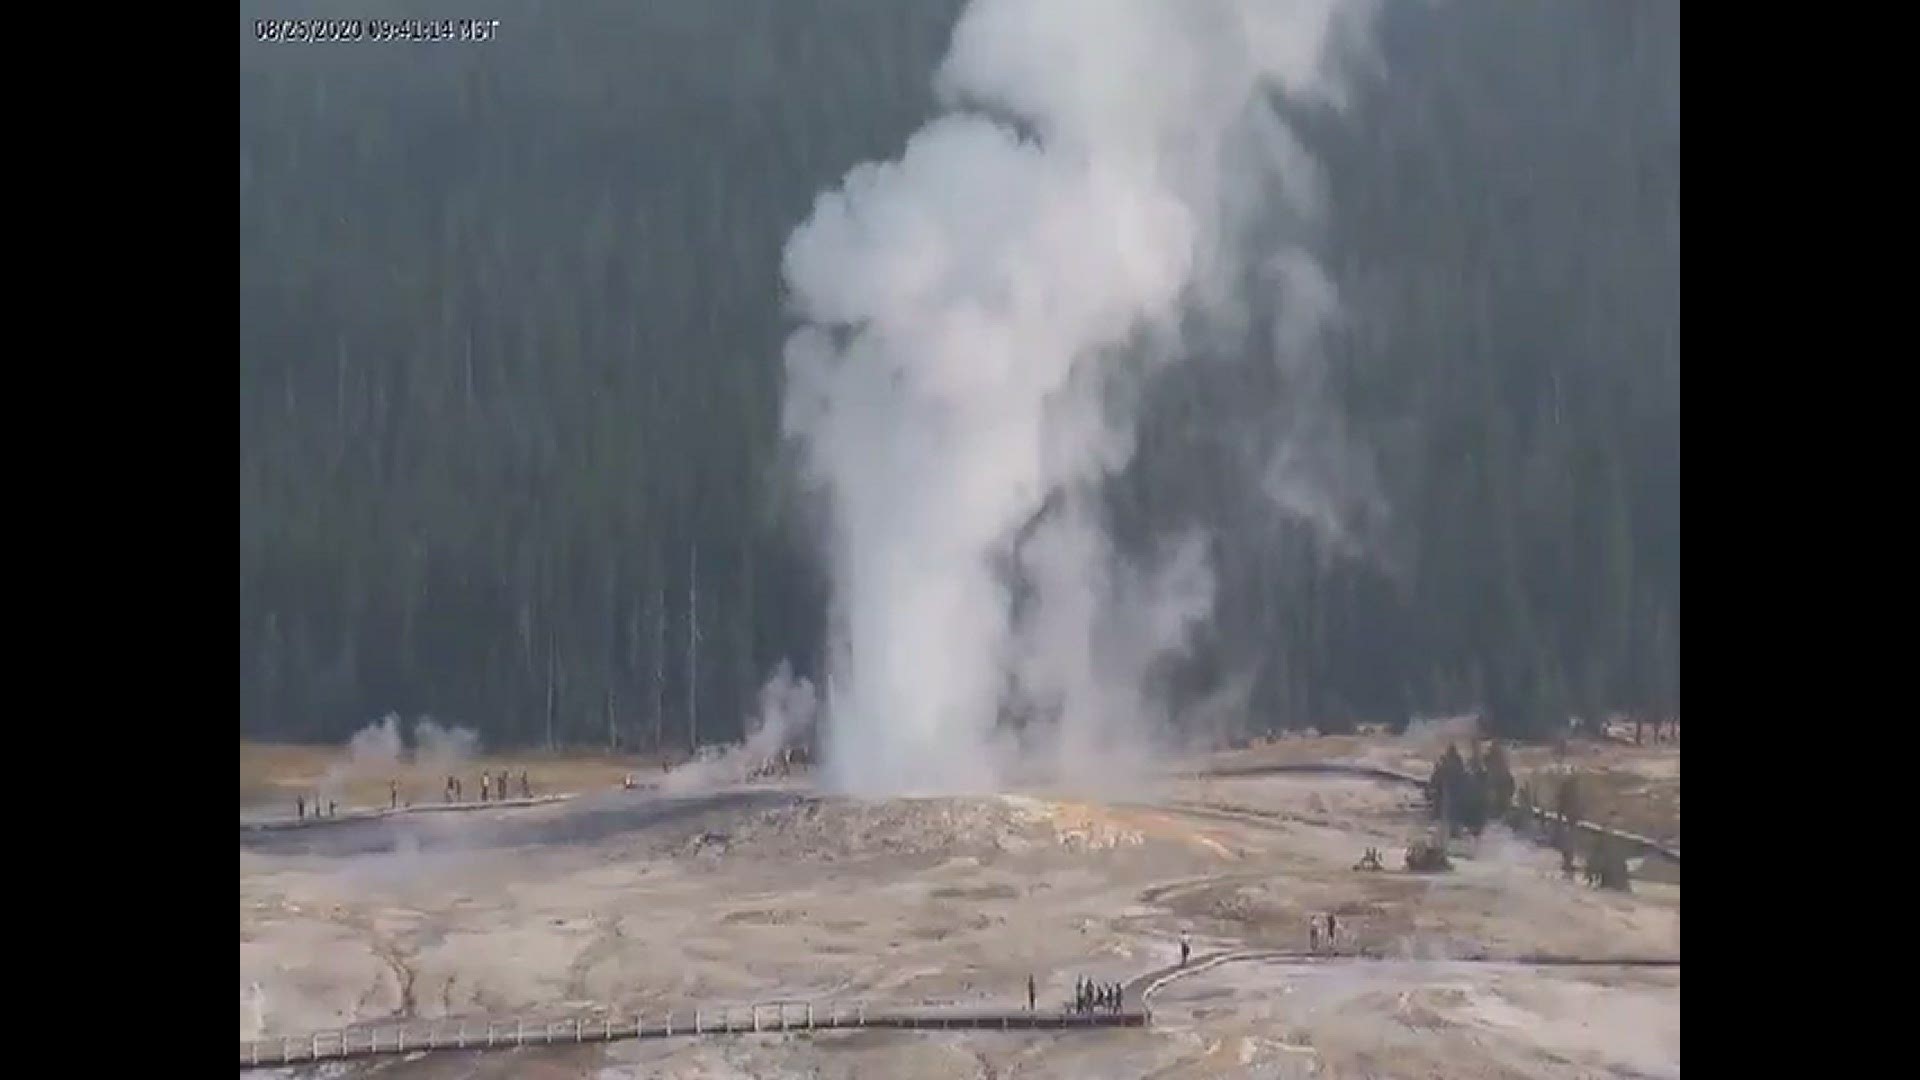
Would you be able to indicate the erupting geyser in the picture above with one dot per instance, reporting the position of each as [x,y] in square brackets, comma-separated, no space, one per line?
[970,310]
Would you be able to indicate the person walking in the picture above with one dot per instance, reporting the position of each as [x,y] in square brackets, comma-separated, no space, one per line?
[1031,990]
[1185,950]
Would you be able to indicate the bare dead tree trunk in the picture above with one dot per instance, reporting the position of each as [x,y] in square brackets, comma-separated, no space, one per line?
[693,651]
[552,677]
[660,671]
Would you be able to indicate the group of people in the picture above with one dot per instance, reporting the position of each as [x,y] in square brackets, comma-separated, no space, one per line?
[1090,996]
[1329,932]
[780,764]
[320,809]
[493,787]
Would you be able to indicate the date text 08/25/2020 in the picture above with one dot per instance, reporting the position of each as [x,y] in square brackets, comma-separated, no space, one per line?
[322,31]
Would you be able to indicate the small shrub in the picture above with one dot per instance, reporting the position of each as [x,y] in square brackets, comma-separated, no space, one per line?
[1520,816]
[1609,866]
[1428,857]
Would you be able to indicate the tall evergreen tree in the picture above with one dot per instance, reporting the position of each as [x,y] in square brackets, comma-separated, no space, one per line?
[1499,783]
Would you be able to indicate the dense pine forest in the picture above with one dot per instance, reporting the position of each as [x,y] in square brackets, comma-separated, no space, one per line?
[511,322]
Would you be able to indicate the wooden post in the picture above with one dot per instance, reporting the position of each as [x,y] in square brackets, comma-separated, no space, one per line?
[576,1029]
[783,1016]
[639,1024]
[863,1014]
[460,1037]
[400,1039]
[520,1033]
[489,1034]
[669,1021]
[609,1027]
[315,1052]
[809,1016]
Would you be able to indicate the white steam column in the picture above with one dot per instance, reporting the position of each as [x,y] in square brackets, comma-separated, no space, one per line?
[970,310]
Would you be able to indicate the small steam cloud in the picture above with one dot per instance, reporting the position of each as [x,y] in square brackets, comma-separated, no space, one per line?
[788,709]
[375,750]
[980,316]
[377,744]
[443,747]
[1316,473]
[1430,736]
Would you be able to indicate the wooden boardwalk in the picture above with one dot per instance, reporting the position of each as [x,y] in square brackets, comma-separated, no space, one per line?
[1644,844]
[364,814]
[765,1018]
[1141,988]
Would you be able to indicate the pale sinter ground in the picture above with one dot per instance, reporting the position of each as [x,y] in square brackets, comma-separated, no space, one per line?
[627,900]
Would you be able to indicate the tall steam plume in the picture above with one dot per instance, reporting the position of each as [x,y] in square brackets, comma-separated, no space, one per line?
[980,314]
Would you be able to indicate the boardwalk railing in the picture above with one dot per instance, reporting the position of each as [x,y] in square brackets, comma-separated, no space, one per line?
[760,1017]
[1646,845]
[278,824]
[1144,987]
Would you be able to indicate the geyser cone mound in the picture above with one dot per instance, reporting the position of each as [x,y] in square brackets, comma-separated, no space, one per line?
[845,828]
